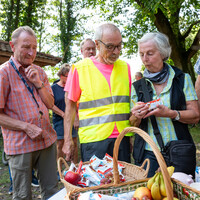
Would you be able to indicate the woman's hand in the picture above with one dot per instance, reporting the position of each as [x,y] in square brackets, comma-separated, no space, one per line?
[140,110]
[162,111]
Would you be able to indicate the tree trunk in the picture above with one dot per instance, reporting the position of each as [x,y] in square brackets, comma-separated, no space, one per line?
[178,55]
[10,19]
[17,14]
[29,13]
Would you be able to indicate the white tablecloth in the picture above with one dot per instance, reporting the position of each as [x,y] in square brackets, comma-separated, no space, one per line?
[59,195]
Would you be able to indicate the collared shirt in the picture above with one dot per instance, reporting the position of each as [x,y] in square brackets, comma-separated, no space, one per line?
[197,66]
[165,124]
[18,103]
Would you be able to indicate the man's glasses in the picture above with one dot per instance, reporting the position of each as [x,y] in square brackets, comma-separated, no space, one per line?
[65,75]
[112,47]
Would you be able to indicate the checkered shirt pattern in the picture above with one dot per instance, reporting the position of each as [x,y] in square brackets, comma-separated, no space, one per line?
[18,103]
[197,66]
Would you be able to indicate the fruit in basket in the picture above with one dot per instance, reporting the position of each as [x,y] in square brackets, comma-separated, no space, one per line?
[170,170]
[142,193]
[151,181]
[105,181]
[167,198]
[162,186]
[72,177]
[155,189]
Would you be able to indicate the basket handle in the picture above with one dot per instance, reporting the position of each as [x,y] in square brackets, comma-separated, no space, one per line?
[59,164]
[146,161]
[156,151]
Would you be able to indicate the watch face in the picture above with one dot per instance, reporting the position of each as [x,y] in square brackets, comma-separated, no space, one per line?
[178,116]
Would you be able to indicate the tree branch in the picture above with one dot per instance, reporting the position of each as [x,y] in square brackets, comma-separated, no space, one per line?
[189,29]
[195,46]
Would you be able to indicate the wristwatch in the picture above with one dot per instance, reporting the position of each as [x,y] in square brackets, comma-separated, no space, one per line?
[178,116]
[38,88]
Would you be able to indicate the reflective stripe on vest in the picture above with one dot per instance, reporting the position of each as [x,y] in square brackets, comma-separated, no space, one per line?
[104,119]
[104,101]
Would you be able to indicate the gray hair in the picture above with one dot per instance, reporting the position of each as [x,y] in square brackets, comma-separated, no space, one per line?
[63,69]
[104,27]
[139,74]
[161,41]
[16,33]
[85,40]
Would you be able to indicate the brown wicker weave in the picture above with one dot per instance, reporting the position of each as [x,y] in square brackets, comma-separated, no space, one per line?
[131,172]
[116,186]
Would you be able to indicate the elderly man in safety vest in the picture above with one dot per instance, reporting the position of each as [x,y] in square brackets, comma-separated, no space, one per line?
[102,85]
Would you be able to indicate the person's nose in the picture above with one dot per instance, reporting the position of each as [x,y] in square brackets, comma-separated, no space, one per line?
[92,51]
[116,50]
[145,57]
[31,51]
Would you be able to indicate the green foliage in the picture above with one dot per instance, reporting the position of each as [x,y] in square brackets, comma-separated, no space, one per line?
[17,13]
[194,130]
[52,73]
[60,24]
[179,20]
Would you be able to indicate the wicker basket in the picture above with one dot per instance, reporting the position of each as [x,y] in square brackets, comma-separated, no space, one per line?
[118,187]
[182,191]
[131,172]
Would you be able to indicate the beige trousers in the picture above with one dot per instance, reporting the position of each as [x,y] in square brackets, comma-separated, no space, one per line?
[44,163]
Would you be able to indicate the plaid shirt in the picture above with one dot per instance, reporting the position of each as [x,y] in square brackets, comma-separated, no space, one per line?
[165,124]
[18,103]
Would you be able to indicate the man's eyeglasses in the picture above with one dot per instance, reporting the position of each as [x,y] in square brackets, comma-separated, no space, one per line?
[65,75]
[112,47]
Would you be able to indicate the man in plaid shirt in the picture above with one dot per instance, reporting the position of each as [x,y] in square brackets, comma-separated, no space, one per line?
[25,97]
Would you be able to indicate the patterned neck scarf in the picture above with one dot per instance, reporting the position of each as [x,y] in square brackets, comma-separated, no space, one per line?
[158,77]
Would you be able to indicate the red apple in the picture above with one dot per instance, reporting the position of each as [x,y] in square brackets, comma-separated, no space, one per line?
[72,177]
[142,193]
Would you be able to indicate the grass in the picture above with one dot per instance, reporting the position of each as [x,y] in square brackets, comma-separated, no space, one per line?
[4,176]
[195,132]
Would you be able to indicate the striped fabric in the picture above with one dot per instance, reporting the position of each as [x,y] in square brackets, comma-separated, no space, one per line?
[18,103]
[165,125]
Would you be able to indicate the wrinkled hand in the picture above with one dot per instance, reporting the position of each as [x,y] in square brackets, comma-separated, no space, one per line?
[34,132]
[160,111]
[32,75]
[76,124]
[140,110]
[68,150]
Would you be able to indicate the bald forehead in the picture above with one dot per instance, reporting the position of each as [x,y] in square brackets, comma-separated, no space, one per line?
[112,36]
[111,30]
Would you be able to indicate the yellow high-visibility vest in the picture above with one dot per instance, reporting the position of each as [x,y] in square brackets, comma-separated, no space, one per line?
[100,108]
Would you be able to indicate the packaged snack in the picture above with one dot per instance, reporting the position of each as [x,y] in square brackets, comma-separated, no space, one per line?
[95,162]
[72,168]
[153,104]
[96,196]
[105,168]
[92,175]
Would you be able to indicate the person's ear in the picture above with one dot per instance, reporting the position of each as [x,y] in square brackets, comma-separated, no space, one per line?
[97,44]
[12,46]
